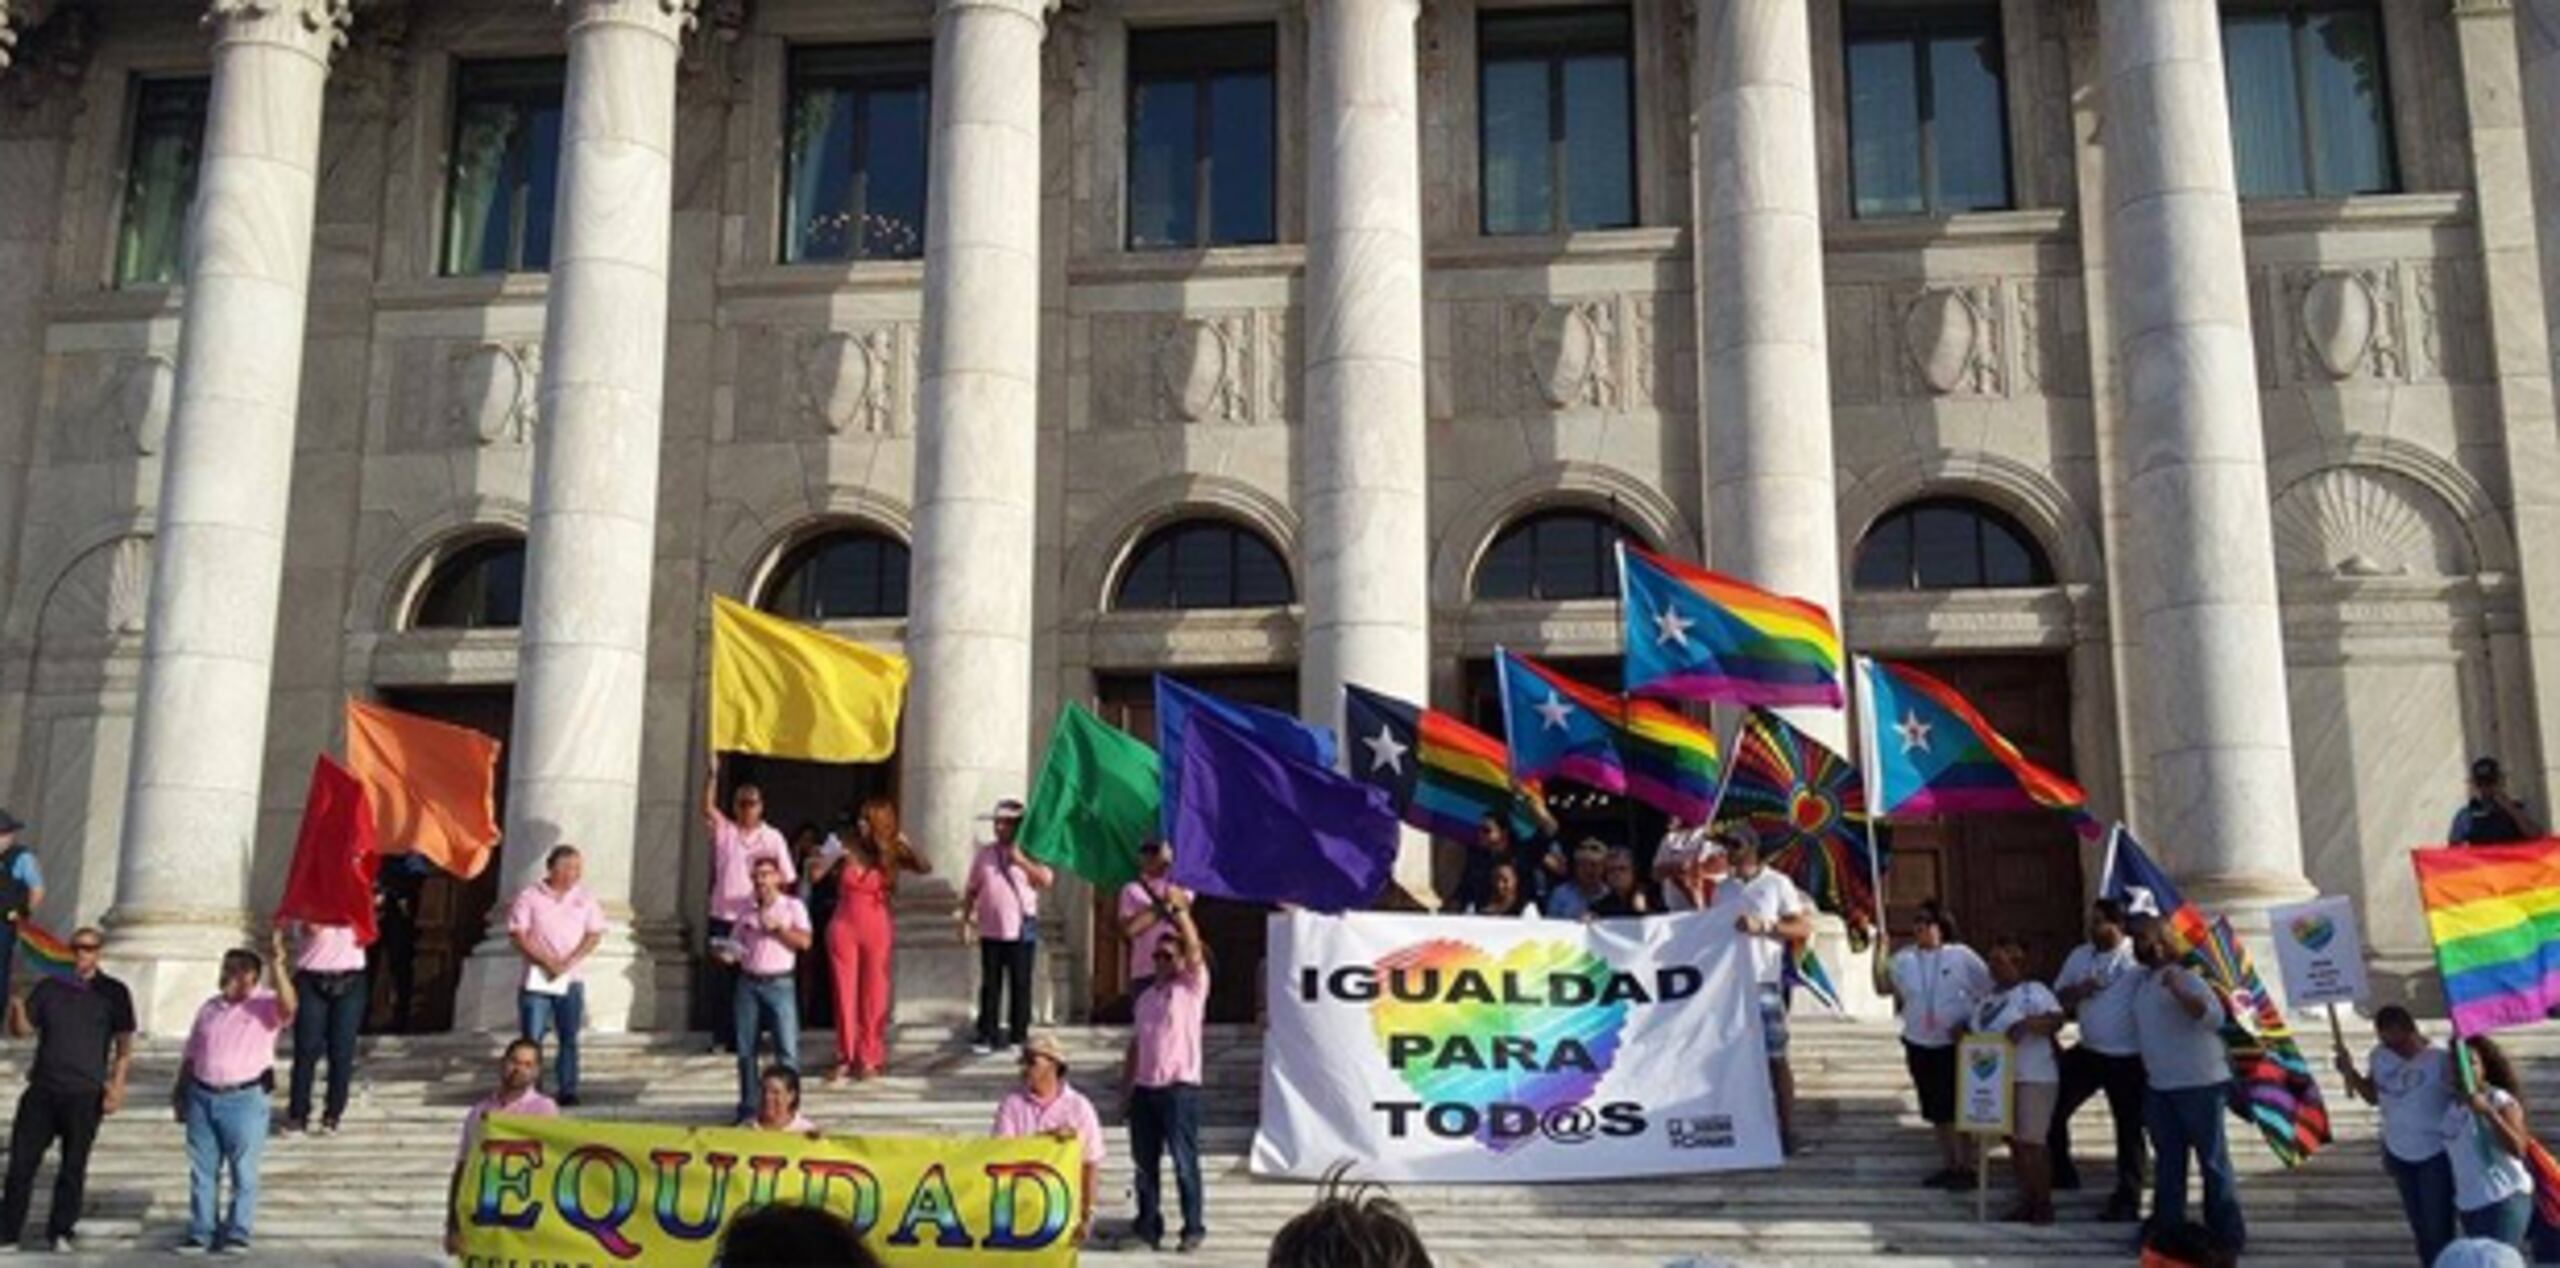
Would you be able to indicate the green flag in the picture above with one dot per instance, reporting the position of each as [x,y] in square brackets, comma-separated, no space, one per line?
[1096,800]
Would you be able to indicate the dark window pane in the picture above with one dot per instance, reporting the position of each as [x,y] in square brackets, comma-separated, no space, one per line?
[1884,128]
[1518,187]
[160,181]
[1599,144]
[1262,580]
[1554,556]
[503,168]
[1202,564]
[1968,126]
[855,153]
[1241,158]
[2266,105]
[477,587]
[1949,544]
[1946,548]
[847,575]
[893,183]
[1505,570]
[817,216]
[1163,151]
[2005,559]
[1884,558]
[2351,133]
[1148,584]
[1568,558]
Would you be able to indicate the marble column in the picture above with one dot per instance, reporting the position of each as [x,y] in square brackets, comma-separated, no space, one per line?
[1765,402]
[2216,734]
[1363,476]
[191,805]
[2533,505]
[582,671]
[969,624]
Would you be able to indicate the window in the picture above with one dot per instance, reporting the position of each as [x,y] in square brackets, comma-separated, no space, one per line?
[1554,555]
[1949,544]
[2310,110]
[1202,143]
[1203,564]
[160,181]
[1928,119]
[504,167]
[855,179]
[850,574]
[476,587]
[1557,120]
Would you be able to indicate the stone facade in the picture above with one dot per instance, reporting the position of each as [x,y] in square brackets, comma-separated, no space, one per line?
[2359,603]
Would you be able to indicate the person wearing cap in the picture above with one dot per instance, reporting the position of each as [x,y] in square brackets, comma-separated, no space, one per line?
[1575,899]
[1688,863]
[1045,1106]
[1147,905]
[21,889]
[2491,817]
[1164,1083]
[1002,902]
[1772,915]
[738,840]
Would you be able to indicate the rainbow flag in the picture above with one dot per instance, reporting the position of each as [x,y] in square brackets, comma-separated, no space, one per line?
[2272,1084]
[1442,775]
[1692,634]
[1929,751]
[41,953]
[1640,748]
[1804,971]
[2494,911]
[1807,806]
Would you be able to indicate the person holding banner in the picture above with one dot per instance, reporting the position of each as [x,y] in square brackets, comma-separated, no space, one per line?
[2180,1025]
[1686,864]
[1164,1076]
[2022,1011]
[861,939]
[1045,1106]
[1506,895]
[1626,896]
[778,1104]
[2413,1083]
[555,924]
[2096,987]
[738,841]
[224,1079]
[769,938]
[1766,908]
[2486,1139]
[1934,983]
[518,1092]
[1583,890]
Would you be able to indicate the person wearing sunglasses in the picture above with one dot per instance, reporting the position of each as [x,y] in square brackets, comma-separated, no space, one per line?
[739,840]
[84,1023]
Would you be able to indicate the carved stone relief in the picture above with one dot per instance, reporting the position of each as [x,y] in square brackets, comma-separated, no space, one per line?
[2362,522]
[106,591]
[2053,336]
[1953,341]
[848,380]
[1571,350]
[1234,368]
[2449,309]
[491,392]
[1604,353]
[2384,321]
[1976,338]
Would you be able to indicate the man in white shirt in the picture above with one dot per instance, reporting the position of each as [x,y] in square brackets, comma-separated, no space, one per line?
[2179,1022]
[1767,909]
[2096,985]
[1687,863]
[2413,1083]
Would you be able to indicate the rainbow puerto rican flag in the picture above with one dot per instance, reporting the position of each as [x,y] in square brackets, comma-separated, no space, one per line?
[1929,752]
[1640,748]
[1692,634]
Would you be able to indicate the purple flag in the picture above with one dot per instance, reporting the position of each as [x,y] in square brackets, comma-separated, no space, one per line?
[1261,827]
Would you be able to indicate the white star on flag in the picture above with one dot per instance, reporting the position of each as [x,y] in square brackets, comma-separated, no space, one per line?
[2140,901]
[1914,733]
[1384,753]
[1554,711]
[1671,627]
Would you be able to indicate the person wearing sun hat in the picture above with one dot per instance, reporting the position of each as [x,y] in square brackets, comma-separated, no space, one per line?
[1002,905]
[1044,1105]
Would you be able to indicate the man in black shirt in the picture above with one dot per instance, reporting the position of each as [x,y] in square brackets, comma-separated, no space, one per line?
[77,1079]
[2491,817]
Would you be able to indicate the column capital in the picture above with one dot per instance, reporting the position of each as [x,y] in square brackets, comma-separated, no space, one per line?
[314,28]
[669,18]
[8,33]
[1413,8]
[1035,11]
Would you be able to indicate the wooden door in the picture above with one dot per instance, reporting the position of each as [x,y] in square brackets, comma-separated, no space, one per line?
[2000,873]
[452,913]
[1233,931]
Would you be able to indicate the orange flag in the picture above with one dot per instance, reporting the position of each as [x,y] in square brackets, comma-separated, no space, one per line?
[433,785]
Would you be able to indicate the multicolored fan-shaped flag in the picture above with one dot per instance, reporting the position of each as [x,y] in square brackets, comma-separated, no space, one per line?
[1807,806]
[1804,971]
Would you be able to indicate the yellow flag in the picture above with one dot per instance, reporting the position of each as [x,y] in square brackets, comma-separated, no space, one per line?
[781,689]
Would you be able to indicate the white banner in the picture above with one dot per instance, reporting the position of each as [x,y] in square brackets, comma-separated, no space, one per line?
[1457,1049]
[2319,951]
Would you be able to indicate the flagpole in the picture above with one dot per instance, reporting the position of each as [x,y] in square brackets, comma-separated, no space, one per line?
[1871,740]
[1626,800]
[1724,777]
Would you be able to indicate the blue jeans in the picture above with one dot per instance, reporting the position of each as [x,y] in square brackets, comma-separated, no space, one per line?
[537,1012]
[224,1129]
[2186,1121]
[1162,1118]
[2426,1198]
[2502,1222]
[325,1025]
[761,1000]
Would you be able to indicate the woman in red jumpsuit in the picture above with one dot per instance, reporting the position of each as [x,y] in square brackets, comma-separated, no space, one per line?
[859,939]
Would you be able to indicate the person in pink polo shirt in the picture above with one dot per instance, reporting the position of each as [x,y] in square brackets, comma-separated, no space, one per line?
[778,1104]
[1045,1106]
[329,978]
[519,1074]
[738,840]
[555,924]
[769,938]
[1146,909]
[1164,1077]
[221,1095]
[1003,901]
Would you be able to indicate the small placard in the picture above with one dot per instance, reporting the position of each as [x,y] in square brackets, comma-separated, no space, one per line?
[1986,1070]
[2320,952]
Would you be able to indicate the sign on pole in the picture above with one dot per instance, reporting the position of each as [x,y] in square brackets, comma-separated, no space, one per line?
[1986,1074]
[2320,952]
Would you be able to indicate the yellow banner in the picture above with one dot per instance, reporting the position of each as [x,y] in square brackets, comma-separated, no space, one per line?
[782,689]
[562,1192]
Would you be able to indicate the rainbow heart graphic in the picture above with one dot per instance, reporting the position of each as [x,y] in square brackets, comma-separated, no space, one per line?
[1472,1026]
[2314,930]
[1985,1064]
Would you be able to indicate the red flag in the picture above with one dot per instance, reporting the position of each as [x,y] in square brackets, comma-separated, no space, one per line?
[333,857]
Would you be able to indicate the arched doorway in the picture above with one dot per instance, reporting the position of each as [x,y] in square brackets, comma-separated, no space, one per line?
[1997,874]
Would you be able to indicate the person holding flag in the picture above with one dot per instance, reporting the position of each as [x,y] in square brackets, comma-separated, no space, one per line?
[739,840]
[1767,909]
[1148,906]
[1002,904]
[2487,1141]
[21,889]
[2096,987]
[2179,1022]
[1935,983]
[2413,1083]
[328,974]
